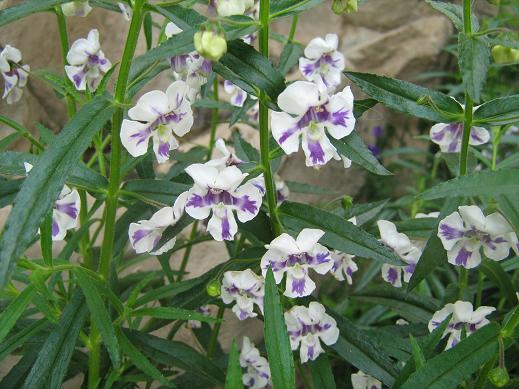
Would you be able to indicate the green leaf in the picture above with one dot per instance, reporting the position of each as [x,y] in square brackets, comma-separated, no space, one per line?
[413,307]
[284,8]
[454,12]
[495,272]
[141,362]
[300,187]
[6,141]
[244,150]
[249,67]
[172,353]
[361,106]
[498,112]
[21,337]
[474,58]
[14,310]
[41,188]
[450,368]
[509,207]
[322,374]
[354,148]
[419,358]
[148,30]
[359,349]
[171,313]
[485,183]
[277,342]
[339,233]
[27,8]
[53,360]
[154,192]
[409,98]
[433,254]
[99,315]
[289,56]
[233,378]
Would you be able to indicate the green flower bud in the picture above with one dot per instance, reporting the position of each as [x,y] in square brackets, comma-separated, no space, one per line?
[344,6]
[498,377]
[505,55]
[346,202]
[210,44]
[213,288]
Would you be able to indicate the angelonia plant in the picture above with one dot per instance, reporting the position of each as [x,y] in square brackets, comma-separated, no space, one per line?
[413,290]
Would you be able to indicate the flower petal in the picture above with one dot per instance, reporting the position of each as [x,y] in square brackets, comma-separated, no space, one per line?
[135,137]
[298,97]
[150,106]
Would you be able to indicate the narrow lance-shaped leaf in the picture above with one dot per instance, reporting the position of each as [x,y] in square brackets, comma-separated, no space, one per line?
[474,58]
[454,12]
[409,98]
[277,342]
[322,374]
[171,313]
[27,8]
[14,310]
[42,186]
[233,379]
[498,112]
[339,233]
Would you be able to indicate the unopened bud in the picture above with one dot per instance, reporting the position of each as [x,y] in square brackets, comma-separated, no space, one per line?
[344,6]
[505,55]
[499,377]
[210,44]
[347,202]
[213,288]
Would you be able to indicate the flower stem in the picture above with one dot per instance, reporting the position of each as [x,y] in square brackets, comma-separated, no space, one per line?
[63,37]
[293,27]
[264,124]
[211,347]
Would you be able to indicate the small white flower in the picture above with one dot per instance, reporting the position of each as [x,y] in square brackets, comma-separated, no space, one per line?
[257,375]
[158,115]
[14,74]
[145,235]
[76,8]
[126,10]
[307,113]
[361,380]
[65,214]
[204,310]
[191,68]
[295,257]
[224,157]
[233,7]
[402,246]
[307,327]
[238,95]
[463,234]
[87,62]
[323,63]
[221,192]
[245,288]
[448,136]
[343,264]
[463,316]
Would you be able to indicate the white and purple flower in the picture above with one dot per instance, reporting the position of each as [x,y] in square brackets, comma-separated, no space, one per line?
[87,62]
[79,8]
[343,264]
[307,327]
[145,235]
[448,136]
[126,10]
[257,375]
[238,95]
[232,7]
[191,68]
[245,288]
[361,380]
[407,250]
[221,192]
[463,317]
[307,113]
[282,190]
[224,157]
[204,310]
[14,74]
[463,233]
[296,257]
[65,214]
[323,63]
[158,115]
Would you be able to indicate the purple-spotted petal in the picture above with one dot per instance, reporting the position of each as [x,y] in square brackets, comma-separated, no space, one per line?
[135,137]
[392,274]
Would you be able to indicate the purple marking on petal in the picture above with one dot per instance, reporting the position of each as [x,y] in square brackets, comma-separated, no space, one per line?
[311,352]
[93,59]
[139,234]
[298,286]
[339,118]
[322,257]
[68,208]
[141,136]
[243,315]
[308,69]
[462,257]
[316,153]
[239,99]
[77,78]
[474,135]
[287,134]
[410,268]
[449,232]
[55,228]
[226,234]
[164,149]
[349,271]
[317,114]
[244,203]
[392,275]
[438,136]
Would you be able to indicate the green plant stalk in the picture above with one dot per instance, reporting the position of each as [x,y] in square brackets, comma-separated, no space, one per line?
[63,37]
[211,347]
[24,133]
[293,27]
[210,147]
[264,124]
[467,125]
[94,360]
